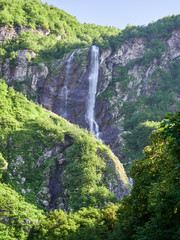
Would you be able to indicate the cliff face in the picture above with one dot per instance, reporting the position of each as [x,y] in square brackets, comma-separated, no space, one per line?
[140,81]
[63,87]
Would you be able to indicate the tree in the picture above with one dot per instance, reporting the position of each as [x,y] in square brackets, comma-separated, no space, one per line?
[152,211]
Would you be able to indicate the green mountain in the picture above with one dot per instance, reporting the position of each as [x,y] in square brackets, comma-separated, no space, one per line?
[138,73]
[58,180]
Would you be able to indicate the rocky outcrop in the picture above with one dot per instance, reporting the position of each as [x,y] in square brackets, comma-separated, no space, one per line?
[52,193]
[130,50]
[139,82]
[24,76]
[7,32]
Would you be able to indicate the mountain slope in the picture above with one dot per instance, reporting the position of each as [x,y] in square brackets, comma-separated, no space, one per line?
[53,163]
[46,30]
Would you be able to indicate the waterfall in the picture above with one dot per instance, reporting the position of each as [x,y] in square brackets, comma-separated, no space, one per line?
[93,80]
[64,91]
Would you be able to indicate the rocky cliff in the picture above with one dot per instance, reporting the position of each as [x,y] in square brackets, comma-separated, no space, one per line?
[140,79]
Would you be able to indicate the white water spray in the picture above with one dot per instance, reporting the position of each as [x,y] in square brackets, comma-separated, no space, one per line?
[64,91]
[93,80]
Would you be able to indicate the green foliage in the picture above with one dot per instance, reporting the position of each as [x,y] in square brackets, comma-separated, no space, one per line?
[87,223]
[153,32]
[152,210]
[35,15]
[2,52]
[84,175]
[28,56]
[171,126]
[26,132]
[16,216]
[3,164]
[154,51]
[138,138]
[56,225]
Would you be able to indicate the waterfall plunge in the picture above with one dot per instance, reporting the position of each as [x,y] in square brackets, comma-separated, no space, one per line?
[93,80]
[64,91]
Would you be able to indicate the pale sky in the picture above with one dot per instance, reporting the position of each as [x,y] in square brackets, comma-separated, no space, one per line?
[118,13]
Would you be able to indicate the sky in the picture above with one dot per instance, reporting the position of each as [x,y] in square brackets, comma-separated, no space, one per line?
[118,13]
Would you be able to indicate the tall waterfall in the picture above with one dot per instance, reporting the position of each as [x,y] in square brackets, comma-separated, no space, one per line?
[64,91]
[93,80]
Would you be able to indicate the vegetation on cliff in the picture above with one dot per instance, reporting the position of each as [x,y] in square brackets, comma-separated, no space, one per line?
[16,215]
[63,33]
[142,116]
[148,85]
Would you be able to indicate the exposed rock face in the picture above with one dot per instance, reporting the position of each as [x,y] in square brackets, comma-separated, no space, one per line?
[52,196]
[48,86]
[25,74]
[50,89]
[139,74]
[128,51]
[7,33]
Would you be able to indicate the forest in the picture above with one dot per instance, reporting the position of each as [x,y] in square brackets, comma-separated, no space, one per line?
[35,15]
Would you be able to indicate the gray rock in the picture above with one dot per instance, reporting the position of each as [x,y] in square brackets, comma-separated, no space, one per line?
[23,180]
[23,191]
[45,203]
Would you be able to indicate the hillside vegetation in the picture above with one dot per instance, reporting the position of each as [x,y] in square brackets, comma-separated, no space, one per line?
[144,114]
[151,211]
[35,16]
[57,181]
[40,146]
[72,35]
